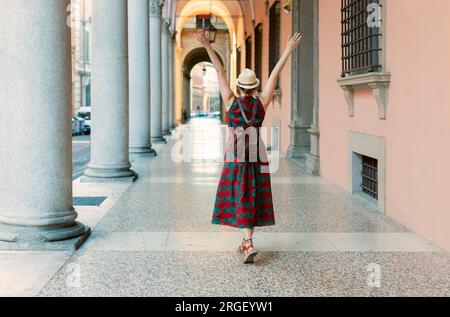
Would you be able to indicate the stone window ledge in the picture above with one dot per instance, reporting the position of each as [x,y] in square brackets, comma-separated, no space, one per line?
[378,82]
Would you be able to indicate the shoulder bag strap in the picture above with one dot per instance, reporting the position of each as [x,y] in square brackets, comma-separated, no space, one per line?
[243,113]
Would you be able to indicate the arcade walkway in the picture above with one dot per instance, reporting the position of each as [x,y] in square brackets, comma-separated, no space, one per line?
[154,238]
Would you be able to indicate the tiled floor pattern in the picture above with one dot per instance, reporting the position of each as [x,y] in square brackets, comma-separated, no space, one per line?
[156,239]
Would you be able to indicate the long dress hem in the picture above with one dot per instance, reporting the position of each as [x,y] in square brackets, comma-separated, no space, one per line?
[244,194]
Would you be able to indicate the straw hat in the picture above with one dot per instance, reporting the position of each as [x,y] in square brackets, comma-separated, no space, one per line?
[247,79]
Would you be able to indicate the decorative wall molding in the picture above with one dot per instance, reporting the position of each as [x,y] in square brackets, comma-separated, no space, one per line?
[348,94]
[378,82]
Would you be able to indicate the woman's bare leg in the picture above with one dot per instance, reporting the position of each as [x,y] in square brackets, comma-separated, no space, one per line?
[248,233]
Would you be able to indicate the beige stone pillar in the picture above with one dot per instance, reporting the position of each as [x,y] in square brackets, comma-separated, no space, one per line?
[139,77]
[36,142]
[110,135]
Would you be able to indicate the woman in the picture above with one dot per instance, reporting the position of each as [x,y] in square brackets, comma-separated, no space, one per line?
[244,195]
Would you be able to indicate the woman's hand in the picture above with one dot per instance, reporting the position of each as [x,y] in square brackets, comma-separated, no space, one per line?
[269,89]
[294,42]
[203,38]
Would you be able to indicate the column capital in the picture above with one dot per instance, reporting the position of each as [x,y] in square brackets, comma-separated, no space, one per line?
[156,8]
[167,23]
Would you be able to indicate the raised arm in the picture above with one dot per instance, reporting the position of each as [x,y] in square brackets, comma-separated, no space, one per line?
[224,86]
[267,94]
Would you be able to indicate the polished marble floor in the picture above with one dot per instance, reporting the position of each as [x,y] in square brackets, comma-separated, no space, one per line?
[155,238]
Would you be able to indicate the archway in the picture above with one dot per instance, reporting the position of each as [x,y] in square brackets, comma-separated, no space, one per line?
[230,36]
[194,57]
[205,94]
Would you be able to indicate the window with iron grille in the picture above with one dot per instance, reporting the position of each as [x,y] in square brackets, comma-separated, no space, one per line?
[360,39]
[248,52]
[238,60]
[274,36]
[258,51]
[369,175]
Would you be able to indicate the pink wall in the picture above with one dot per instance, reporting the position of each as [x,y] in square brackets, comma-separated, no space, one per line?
[280,109]
[417,128]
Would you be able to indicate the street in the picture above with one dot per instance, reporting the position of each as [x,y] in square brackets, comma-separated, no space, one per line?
[81,147]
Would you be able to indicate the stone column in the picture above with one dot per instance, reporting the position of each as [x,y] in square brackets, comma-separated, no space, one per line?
[165,76]
[36,142]
[139,77]
[302,85]
[110,135]
[186,96]
[156,71]
[172,118]
[179,84]
[313,157]
[228,57]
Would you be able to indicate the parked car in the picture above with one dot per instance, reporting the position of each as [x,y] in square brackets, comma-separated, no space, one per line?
[85,113]
[82,124]
[75,127]
[78,126]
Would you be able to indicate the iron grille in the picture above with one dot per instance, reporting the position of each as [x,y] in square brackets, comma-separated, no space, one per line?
[360,41]
[88,201]
[248,52]
[274,36]
[369,175]
[258,51]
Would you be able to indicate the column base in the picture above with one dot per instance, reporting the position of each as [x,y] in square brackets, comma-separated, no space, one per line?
[159,140]
[313,158]
[312,164]
[142,150]
[300,142]
[297,152]
[108,174]
[167,133]
[46,238]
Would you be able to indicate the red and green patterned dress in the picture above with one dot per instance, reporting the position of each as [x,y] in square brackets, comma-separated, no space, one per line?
[244,194]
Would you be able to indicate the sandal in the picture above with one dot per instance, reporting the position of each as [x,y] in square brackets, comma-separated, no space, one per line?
[241,248]
[249,255]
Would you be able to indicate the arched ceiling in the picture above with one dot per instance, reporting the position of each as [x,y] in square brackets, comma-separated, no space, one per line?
[234,6]
[229,11]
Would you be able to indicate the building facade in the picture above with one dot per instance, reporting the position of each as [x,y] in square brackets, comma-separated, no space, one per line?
[81,12]
[364,101]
